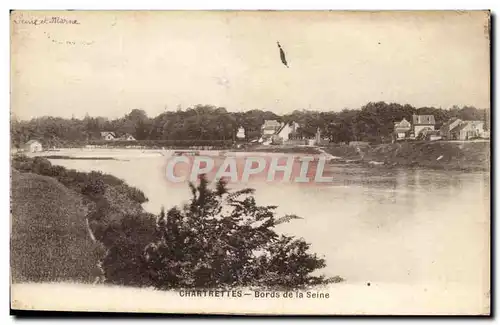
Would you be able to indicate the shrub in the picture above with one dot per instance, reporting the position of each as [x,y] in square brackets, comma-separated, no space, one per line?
[133,193]
[224,238]
[92,185]
[125,239]
[93,188]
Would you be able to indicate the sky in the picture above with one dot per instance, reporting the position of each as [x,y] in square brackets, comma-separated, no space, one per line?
[114,61]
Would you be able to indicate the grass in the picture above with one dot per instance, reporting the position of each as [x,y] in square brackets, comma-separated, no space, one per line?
[49,237]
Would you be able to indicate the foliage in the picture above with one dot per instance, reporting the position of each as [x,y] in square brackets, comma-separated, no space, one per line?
[49,237]
[222,238]
[114,215]
[124,263]
[92,184]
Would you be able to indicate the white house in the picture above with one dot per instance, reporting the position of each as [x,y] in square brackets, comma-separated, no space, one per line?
[241,133]
[445,130]
[127,137]
[467,130]
[276,132]
[33,146]
[270,127]
[478,126]
[287,129]
[401,128]
[421,122]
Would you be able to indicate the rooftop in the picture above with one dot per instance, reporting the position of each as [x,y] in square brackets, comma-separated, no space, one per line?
[423,119]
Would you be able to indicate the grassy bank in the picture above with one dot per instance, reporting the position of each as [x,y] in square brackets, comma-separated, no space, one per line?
[469,156]
[56,214]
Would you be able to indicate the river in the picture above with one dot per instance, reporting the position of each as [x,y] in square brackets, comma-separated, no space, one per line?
[372,224]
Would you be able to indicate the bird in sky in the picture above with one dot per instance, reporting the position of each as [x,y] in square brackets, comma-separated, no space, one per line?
[282,55]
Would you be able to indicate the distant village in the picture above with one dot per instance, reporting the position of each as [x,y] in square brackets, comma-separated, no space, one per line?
[422,127]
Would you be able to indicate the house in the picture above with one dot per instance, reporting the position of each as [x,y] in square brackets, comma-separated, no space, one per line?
[241,133]
[448,126]
[287,130]
[127,137]
[33,146]
[402,128]
[270,127]
[467,130]
[462,131]
[479,126]
[421,122]
[108,136]
[276,132]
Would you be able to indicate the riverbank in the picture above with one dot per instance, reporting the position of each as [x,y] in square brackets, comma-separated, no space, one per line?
[439,155]
[343,299]
[50,239]
[286,149]
[466,156]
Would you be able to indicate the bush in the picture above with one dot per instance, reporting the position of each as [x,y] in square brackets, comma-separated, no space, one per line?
[42,166]
[224,239]
[93,188]
[133,193]
[125,239]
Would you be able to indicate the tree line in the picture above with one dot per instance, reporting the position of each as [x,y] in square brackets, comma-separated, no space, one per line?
[373,122]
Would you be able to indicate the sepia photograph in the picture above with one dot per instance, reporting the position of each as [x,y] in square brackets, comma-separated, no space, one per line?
[250,162]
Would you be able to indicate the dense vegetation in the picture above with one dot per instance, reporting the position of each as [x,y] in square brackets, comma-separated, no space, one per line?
[208,125]
[49,238]
[223,238]
[219,239]
[113,211]
[88,184]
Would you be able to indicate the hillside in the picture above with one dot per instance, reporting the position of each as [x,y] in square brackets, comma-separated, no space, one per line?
[49,236]
[436,155]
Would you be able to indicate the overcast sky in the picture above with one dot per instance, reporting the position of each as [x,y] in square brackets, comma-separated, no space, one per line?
[118,61]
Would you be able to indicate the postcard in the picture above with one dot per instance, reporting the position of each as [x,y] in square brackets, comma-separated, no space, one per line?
[251,162]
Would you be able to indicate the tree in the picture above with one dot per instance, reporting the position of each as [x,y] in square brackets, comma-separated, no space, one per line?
[223,238]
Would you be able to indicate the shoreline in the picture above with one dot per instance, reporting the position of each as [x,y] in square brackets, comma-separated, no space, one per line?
[411,155]
[439,155]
